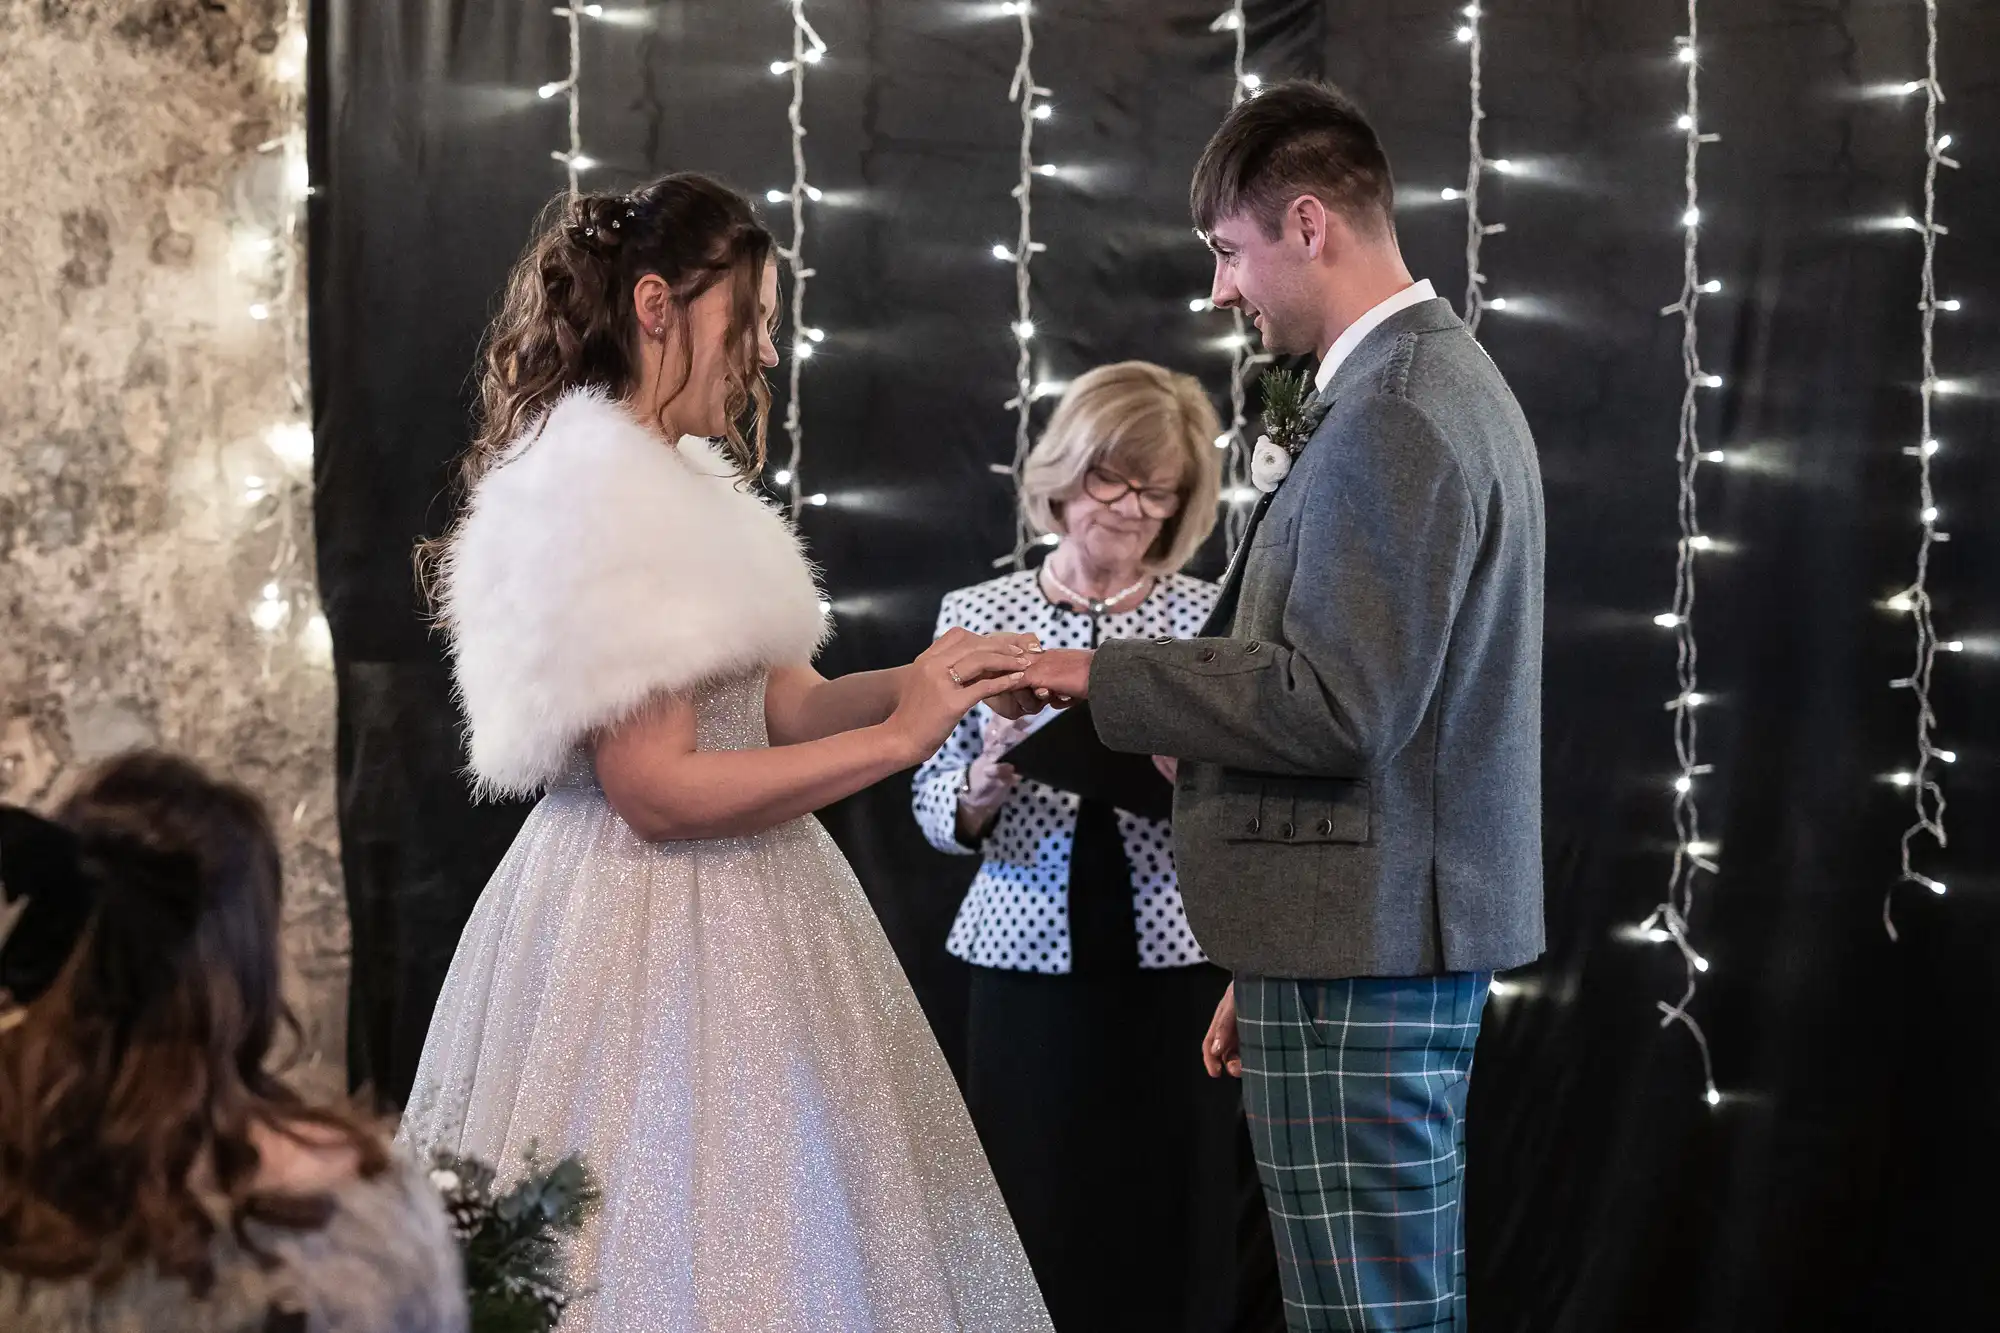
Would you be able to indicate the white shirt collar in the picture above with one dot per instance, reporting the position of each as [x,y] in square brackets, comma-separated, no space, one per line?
[1350,337]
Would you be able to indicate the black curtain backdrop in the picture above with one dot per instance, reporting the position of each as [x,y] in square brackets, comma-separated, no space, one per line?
[1847,1180]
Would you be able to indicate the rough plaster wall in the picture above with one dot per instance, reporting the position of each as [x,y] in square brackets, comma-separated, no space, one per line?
[144,156]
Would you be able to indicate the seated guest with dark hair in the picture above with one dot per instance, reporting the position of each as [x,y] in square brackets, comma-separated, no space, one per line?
[154,1176]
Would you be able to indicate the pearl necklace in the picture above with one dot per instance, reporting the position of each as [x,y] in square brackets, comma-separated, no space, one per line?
[1098,605]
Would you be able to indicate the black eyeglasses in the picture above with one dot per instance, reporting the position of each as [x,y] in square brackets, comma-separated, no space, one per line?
[1108,488]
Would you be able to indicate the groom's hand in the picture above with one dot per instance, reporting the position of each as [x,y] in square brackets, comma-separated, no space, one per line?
[1016,704]
[1219,1049]
[1060,676]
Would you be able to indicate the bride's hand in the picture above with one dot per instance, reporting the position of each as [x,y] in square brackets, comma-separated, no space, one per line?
[1018,704]
[1013,704]
[948,679]
[956,642]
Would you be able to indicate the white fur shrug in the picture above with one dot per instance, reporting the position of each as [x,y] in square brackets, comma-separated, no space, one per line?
[596,568]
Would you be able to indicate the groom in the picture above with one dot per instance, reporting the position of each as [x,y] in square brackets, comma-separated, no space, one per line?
[1358,815]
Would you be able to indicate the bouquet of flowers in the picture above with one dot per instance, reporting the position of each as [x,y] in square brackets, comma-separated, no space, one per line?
[513,1280]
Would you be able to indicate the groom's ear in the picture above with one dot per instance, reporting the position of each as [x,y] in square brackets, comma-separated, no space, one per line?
[1311,220]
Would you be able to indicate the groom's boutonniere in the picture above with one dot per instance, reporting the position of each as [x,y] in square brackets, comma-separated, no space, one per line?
[1292,412]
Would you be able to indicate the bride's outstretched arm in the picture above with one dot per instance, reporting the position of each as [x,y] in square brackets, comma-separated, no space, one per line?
[802,705]
[666,789]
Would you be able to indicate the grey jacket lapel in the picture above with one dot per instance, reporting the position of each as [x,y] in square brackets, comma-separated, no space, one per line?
[1367,359]
[1232,577]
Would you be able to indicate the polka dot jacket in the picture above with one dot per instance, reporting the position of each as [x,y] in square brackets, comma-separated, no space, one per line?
[1016,914]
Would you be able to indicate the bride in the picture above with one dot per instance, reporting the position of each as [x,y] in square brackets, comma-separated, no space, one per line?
[673,971]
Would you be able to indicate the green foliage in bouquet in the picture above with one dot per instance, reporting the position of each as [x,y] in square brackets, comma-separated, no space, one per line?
[1290,413]
[513,1277]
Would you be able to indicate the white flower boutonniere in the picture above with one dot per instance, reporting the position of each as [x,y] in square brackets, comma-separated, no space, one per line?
[1269,464]
[1292,412]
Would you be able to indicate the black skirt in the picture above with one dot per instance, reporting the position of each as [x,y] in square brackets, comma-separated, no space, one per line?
[1126,1167]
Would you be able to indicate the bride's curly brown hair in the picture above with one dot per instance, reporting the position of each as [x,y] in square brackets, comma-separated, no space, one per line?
[567,319]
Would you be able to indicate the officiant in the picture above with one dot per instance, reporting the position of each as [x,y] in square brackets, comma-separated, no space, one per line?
[1119,1158]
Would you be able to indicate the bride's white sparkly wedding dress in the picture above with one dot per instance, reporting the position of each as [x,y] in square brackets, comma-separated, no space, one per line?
[720,1027]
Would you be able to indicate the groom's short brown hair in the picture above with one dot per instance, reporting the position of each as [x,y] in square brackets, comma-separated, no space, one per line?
[1291,139]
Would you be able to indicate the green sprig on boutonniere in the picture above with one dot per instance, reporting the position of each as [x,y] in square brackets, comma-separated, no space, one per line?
[1291,408]
[1292,412]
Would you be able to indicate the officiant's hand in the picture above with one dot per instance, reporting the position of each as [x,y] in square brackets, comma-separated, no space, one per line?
[992,779]
[1219,1049]
[1061,676]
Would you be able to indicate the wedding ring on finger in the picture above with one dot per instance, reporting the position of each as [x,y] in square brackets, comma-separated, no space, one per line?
[953,673]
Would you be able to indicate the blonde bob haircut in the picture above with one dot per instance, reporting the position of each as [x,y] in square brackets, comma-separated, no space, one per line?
[1135,417]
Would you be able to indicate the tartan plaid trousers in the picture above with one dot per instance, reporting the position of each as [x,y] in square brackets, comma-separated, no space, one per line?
[1355,1092]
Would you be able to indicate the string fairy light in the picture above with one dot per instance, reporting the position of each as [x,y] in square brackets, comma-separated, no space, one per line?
[1926,793]
[1694,856]
[277,493]
[1236,439]
[570,87]
[1477,164]
[807,50]
[1032,99]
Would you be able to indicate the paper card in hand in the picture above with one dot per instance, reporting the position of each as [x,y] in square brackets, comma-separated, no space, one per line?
[1066,754]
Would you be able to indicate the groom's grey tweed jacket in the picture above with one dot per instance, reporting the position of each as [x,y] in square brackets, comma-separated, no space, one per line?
[1359,724]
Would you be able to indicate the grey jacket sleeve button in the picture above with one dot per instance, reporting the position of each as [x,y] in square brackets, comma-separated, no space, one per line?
[1287,830]
[1326,827]
[1208,654]
[1164,640]
[1256,825]
[1254,646]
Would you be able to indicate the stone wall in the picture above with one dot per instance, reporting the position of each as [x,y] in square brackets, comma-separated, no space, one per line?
[155,544]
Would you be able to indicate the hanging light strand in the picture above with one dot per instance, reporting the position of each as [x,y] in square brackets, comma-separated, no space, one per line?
[1926,793]
[570,88]
[807,49]
[1236,466]
[1031,97]
[287,600]
[1477,229]
[1693,857]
